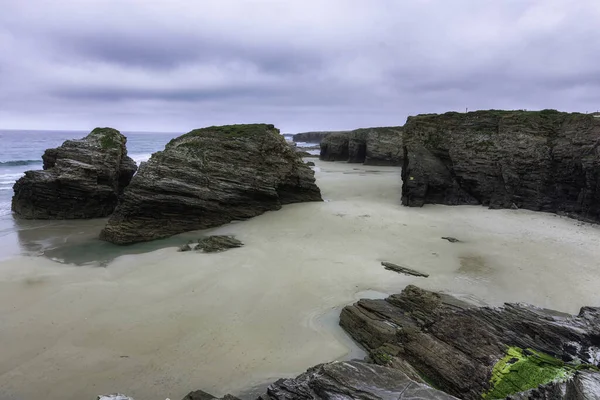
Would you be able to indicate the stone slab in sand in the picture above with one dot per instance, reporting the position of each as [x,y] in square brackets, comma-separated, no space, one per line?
[160,324]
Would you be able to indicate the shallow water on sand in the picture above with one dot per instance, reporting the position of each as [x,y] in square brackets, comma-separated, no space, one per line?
[155,323]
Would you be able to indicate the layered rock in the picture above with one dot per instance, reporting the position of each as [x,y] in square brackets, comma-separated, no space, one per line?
[372,146]
[312,137]
[345,380]
[543,161]
[80,179]
[384,146]
[471,351]
[209,177]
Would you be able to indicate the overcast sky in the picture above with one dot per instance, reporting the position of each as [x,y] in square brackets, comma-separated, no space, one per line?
[299,64]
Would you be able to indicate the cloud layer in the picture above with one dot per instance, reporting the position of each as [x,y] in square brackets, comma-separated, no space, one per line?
[302,65]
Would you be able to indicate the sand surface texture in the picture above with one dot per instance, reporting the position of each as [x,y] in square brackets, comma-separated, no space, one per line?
[160,323]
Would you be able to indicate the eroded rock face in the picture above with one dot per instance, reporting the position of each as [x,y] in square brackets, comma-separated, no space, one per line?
[471,351]
[209,177]
[334,147]
[384,146]
[372,146]
[81,179]
[542,161]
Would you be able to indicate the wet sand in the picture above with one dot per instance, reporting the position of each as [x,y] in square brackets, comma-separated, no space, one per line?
[159,323]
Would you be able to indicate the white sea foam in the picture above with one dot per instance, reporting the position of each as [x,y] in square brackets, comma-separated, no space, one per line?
[140,158]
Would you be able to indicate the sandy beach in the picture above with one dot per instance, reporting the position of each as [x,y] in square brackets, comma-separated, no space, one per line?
[154,323]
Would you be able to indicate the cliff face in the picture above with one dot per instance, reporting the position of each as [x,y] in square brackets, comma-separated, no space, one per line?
[81,179]
[313,137]
[209,177]
[543,161]
[373,146]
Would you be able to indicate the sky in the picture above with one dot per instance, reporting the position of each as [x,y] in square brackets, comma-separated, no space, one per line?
[302,65]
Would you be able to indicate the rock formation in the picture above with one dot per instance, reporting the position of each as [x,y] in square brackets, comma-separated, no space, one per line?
[334,147]
[544,161]
[384,146]
[209,177]
[344,380]
[80,179]
[471,351]
[312,137]
[372,146]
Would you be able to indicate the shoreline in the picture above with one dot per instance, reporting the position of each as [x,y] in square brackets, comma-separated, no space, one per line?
[226,322]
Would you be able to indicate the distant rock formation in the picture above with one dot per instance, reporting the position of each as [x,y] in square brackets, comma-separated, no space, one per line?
[81,179]
[544,161]
[209,177]
[371,146]
[334,147]
[473,352]
[313,137]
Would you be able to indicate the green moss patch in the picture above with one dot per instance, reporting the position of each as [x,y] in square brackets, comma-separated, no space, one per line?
[109,138]
[521,370]
[228,131]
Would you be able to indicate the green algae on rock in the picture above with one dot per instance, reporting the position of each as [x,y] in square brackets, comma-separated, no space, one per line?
[520,370]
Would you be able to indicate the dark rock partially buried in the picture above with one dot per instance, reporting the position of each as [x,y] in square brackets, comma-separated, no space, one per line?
[471,351]
[542,161]
[209,177]
[81,179]
[217,243]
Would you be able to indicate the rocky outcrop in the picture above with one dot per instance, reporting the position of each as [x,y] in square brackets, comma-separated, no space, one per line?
[334,147]
[471,351]
[80,179]
[209,177]
[346,380]
[372,146]
[543,161]
[384,146]
[313,137]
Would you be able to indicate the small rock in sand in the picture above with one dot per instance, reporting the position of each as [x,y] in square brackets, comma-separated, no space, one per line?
[451,239]
[216,243]
[185,247]
[115,396]
[402,270]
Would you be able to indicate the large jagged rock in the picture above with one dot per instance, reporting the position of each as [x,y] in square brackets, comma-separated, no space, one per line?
[372,146]
[80,179]
[209,177]
[470,351]
[543,161]
[346,381]
[312,137]
[384,146]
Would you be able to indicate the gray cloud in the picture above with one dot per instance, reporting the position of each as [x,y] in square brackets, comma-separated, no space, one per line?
[302,65]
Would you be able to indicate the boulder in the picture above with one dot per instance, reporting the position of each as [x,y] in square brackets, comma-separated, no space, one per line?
[357,146]
[209,177]
[384,146]
[80,179]
[543,161]
[470,351]
[312,137]
[334,147]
